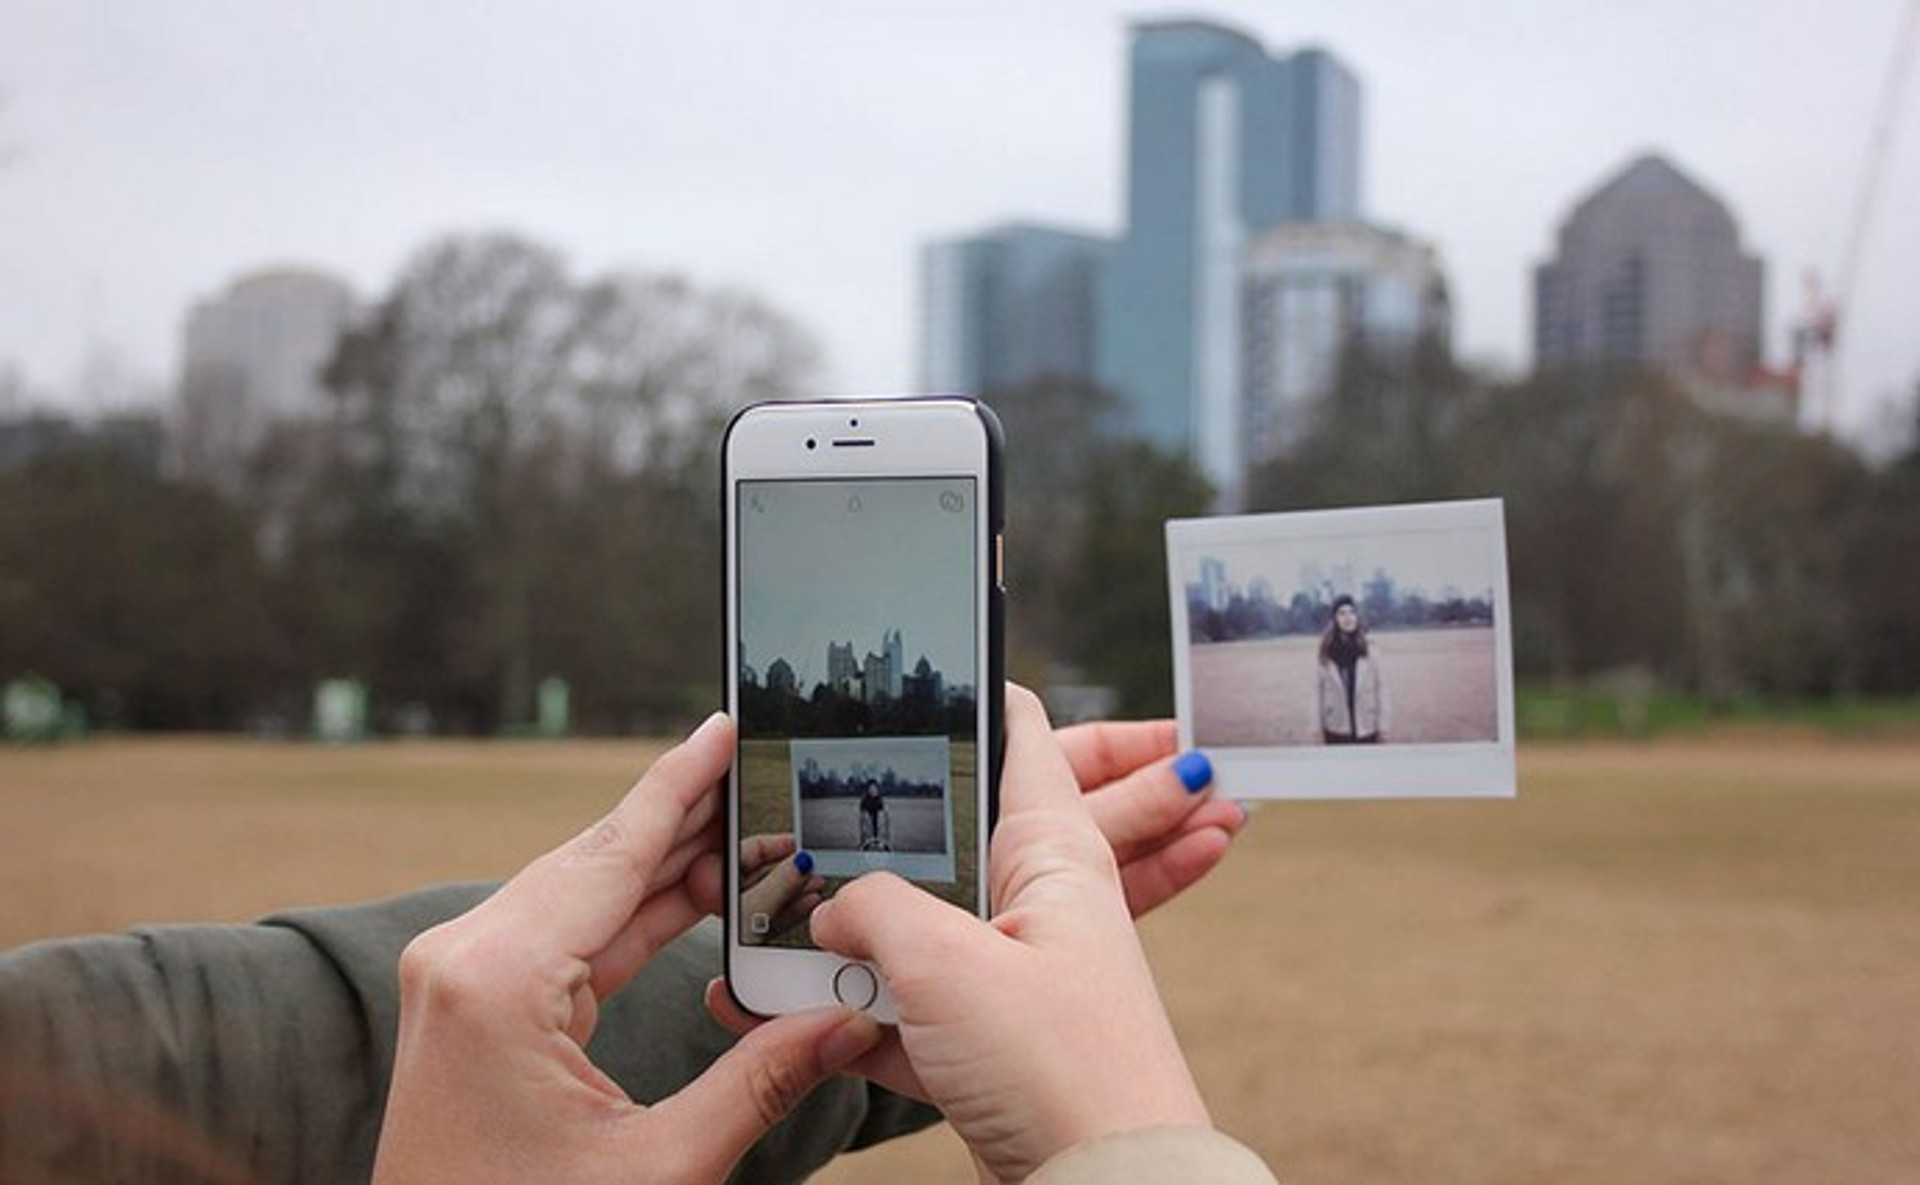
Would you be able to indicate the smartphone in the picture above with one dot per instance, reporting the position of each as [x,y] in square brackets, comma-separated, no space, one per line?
[864,621]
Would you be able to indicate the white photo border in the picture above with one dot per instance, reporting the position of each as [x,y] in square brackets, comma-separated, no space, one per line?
[1447,770]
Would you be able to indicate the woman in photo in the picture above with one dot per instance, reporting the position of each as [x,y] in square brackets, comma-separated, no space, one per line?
[876,832]
[1353,693]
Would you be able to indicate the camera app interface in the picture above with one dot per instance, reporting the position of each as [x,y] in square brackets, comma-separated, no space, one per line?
[858,743]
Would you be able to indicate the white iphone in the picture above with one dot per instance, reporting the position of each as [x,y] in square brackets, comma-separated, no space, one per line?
[864,670]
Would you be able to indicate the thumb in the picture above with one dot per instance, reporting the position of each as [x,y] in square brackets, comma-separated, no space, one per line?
[719,1115]
[882,919]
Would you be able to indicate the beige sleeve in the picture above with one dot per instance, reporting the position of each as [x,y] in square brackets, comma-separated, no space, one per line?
[1150,1156]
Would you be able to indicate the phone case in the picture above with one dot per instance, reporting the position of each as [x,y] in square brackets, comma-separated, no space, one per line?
[995,691]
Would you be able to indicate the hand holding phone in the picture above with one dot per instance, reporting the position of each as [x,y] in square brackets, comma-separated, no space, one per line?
[497,1007]
[1041,1030]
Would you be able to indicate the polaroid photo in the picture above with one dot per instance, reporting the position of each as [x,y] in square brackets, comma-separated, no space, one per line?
[1363,653]
[867,803]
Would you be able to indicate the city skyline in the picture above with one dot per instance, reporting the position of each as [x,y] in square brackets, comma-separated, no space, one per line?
[1428,561]
[1482,129]
[1319,583]
[895,674]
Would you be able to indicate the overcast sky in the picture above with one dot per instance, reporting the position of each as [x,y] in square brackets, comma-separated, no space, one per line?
[827,562]
[149,152]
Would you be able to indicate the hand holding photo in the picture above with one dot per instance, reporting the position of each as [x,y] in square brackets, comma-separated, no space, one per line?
[1346,653]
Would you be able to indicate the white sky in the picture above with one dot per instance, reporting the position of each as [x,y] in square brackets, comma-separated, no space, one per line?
[815,571]
[149,152]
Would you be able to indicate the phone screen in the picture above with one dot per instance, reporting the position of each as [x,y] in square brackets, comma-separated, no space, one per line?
[859,682]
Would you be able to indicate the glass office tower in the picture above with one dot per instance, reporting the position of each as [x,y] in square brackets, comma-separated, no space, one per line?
[1007,306]
[1224,141]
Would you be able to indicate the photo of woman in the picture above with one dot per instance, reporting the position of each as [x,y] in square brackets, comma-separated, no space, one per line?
[1349,653]
[876,830]
[1353,692]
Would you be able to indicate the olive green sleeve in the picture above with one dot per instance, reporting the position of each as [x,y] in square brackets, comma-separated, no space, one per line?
[261,1053]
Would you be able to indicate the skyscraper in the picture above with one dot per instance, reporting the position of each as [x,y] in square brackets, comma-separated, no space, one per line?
[1224,141]
[1650,269]
[1006,306]
[253,355]
[1311,290]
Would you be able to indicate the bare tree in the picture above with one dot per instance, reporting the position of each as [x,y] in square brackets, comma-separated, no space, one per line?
[494,399]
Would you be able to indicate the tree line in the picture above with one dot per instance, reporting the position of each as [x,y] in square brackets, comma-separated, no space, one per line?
[1651,531]
[516,476]
[1723,555]
[814,784]
[826,712]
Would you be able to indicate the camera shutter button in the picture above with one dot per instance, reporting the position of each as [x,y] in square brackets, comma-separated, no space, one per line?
[855,986]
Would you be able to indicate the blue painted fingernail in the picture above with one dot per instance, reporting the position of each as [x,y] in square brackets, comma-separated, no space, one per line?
[804,862]
[1194,770]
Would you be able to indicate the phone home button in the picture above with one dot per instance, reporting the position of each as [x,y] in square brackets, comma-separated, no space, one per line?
[855,986]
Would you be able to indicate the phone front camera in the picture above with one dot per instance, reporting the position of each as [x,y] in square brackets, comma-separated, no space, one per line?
[809,442]
[853,423]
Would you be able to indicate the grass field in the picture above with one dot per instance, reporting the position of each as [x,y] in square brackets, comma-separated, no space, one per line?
[1690,960]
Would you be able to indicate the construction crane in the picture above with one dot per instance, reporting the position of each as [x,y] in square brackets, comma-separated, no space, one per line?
[1817,333]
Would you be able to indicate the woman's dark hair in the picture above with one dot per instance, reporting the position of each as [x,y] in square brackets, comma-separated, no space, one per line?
[1338,647]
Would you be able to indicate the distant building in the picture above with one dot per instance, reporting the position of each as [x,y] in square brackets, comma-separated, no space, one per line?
[872,679]
[892,649]
[883,672]
[780,678]
[923,687]
[252,356]
[876,678]
[1007,306]
[1310,290]
[1214,591]
[1224,141]
[1649,268]
[843,670]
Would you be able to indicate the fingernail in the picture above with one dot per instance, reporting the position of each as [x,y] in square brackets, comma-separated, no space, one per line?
[1194,770]
[710,722]
[849,1039]
[803,861]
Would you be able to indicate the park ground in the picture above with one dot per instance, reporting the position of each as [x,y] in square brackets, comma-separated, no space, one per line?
[1441,684]
[1682,960]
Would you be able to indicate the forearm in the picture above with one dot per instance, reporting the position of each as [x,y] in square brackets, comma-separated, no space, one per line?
[263,1052]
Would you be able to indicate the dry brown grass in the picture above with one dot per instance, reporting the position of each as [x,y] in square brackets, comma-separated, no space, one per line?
[1675,962]
[1441,684]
